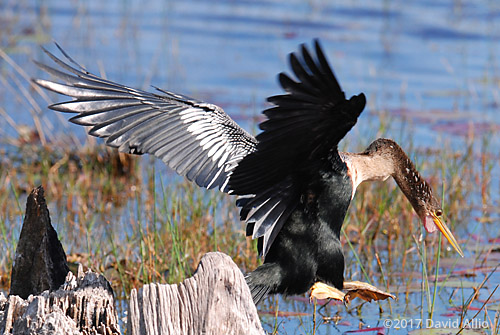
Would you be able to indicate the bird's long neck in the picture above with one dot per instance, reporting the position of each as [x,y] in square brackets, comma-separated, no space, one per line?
[382,159]
[362,167]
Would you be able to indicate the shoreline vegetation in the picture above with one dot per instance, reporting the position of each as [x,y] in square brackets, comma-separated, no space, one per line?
[157,227]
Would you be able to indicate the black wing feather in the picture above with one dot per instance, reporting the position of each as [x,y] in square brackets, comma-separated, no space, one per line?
[196,139]
[303,128]
[201,142]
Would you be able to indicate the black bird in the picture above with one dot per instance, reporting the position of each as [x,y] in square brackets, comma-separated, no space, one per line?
[294,186]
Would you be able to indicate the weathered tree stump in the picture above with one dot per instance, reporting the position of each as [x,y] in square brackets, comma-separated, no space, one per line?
[83,305]
[37,303]
[215,300]
[40,262]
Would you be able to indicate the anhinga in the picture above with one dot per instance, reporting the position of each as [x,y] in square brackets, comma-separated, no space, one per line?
[294,186]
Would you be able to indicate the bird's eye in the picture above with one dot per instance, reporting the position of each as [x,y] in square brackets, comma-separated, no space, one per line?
[439,212]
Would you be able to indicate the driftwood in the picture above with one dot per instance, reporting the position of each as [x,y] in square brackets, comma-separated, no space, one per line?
[216,300]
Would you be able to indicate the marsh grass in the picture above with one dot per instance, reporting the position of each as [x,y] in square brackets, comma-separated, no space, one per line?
[128,218]
[131,219]
[134,222]
[116,216]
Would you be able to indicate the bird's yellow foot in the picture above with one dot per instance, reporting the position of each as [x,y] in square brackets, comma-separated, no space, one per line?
[353,289]
[323,291]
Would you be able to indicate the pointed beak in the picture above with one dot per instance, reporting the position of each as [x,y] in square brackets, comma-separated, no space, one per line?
[443,228]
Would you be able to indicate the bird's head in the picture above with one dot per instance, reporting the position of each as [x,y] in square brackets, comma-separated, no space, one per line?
[414,187]
[431,214]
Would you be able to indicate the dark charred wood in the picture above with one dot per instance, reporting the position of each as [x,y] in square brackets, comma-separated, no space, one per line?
[40,262]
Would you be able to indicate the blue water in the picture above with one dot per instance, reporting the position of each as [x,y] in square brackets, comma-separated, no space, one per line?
[429,66]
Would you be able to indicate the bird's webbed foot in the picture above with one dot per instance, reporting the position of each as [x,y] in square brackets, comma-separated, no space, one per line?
[352,290]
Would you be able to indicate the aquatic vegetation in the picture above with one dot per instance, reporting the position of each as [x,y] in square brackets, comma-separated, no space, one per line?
[136,223]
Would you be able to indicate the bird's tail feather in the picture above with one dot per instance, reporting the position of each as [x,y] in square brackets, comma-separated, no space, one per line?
[258,291]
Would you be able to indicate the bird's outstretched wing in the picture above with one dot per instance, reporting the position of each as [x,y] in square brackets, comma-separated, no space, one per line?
[302,130]
[197,140]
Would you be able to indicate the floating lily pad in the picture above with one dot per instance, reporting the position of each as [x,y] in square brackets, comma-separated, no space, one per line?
[457,283]
[448,262]
[412,288]
[494,307]
[483,247]
[284,314]
[446,331]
